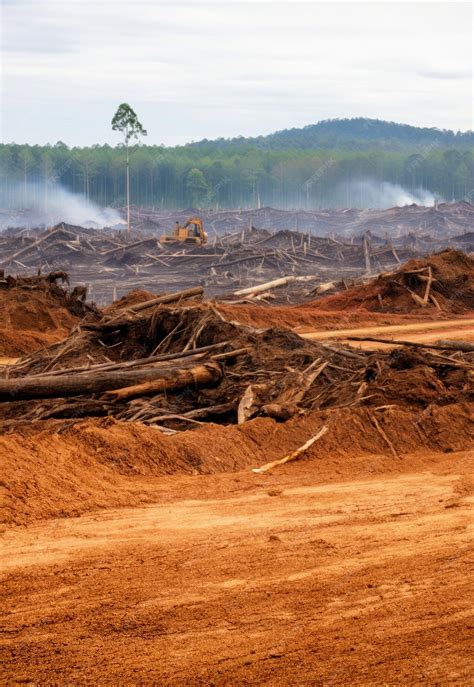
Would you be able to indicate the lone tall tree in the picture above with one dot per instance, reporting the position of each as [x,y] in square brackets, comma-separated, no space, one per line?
[126,121]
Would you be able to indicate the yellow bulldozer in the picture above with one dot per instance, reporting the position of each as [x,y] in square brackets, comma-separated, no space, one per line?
[190,232]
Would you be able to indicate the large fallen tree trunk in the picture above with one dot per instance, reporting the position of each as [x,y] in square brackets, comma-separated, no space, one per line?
[168,298]
[97,382]
[267,286]
[192,376]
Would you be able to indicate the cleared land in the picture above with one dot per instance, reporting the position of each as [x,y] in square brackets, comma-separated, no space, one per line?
[291,577]
[136,551]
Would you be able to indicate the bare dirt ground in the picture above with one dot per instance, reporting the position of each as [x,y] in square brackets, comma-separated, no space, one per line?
[344,576]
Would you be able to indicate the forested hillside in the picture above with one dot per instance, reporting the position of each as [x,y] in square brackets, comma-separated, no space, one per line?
[333,163]
[352,134]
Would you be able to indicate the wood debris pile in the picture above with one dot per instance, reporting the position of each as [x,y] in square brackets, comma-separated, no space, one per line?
[443,281]
[245,249]
[422,223]
[174,362]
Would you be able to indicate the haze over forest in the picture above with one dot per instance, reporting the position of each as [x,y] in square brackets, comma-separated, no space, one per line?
[335,163]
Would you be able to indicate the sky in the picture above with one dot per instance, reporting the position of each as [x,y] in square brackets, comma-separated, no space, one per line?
[194,70]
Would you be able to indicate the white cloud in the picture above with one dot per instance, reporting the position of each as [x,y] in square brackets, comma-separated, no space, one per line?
[208,69]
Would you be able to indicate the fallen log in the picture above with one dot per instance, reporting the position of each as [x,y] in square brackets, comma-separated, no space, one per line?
[194,376]
[169,298]
[159,300]
[440,346]
[275,283]
[243,259]
[75,408]
[418,300]
[24,388]
[325,286]
[428,286]
[128,246]
[464,346]
[231,354]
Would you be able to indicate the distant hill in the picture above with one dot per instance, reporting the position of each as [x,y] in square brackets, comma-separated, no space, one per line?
[349,134]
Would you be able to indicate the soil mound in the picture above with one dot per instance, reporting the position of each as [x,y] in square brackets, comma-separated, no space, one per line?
[443,282]
[38,311]
[58,470]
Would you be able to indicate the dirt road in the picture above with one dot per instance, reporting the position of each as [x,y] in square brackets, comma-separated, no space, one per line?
[252,579]
[420,332]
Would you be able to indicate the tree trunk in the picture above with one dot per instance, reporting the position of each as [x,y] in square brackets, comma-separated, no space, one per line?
[199,375]
[128,192]
[275,283]
[366,245]
[97,382]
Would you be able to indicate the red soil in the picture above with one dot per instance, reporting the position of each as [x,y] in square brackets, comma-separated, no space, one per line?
[30,319]
[308,317]
[453,286]
[61,470]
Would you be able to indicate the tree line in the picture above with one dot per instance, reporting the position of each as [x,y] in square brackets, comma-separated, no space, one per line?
[239,175]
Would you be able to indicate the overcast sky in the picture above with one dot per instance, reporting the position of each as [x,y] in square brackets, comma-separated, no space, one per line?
[195,70]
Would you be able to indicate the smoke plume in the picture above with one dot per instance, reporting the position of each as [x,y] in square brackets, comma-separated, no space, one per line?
[37,204]
[383,194]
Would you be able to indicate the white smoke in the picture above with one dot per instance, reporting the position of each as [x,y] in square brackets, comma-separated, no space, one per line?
[36,204]
[383,194]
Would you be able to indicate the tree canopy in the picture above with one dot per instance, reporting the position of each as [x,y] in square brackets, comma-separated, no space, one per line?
[126,121]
